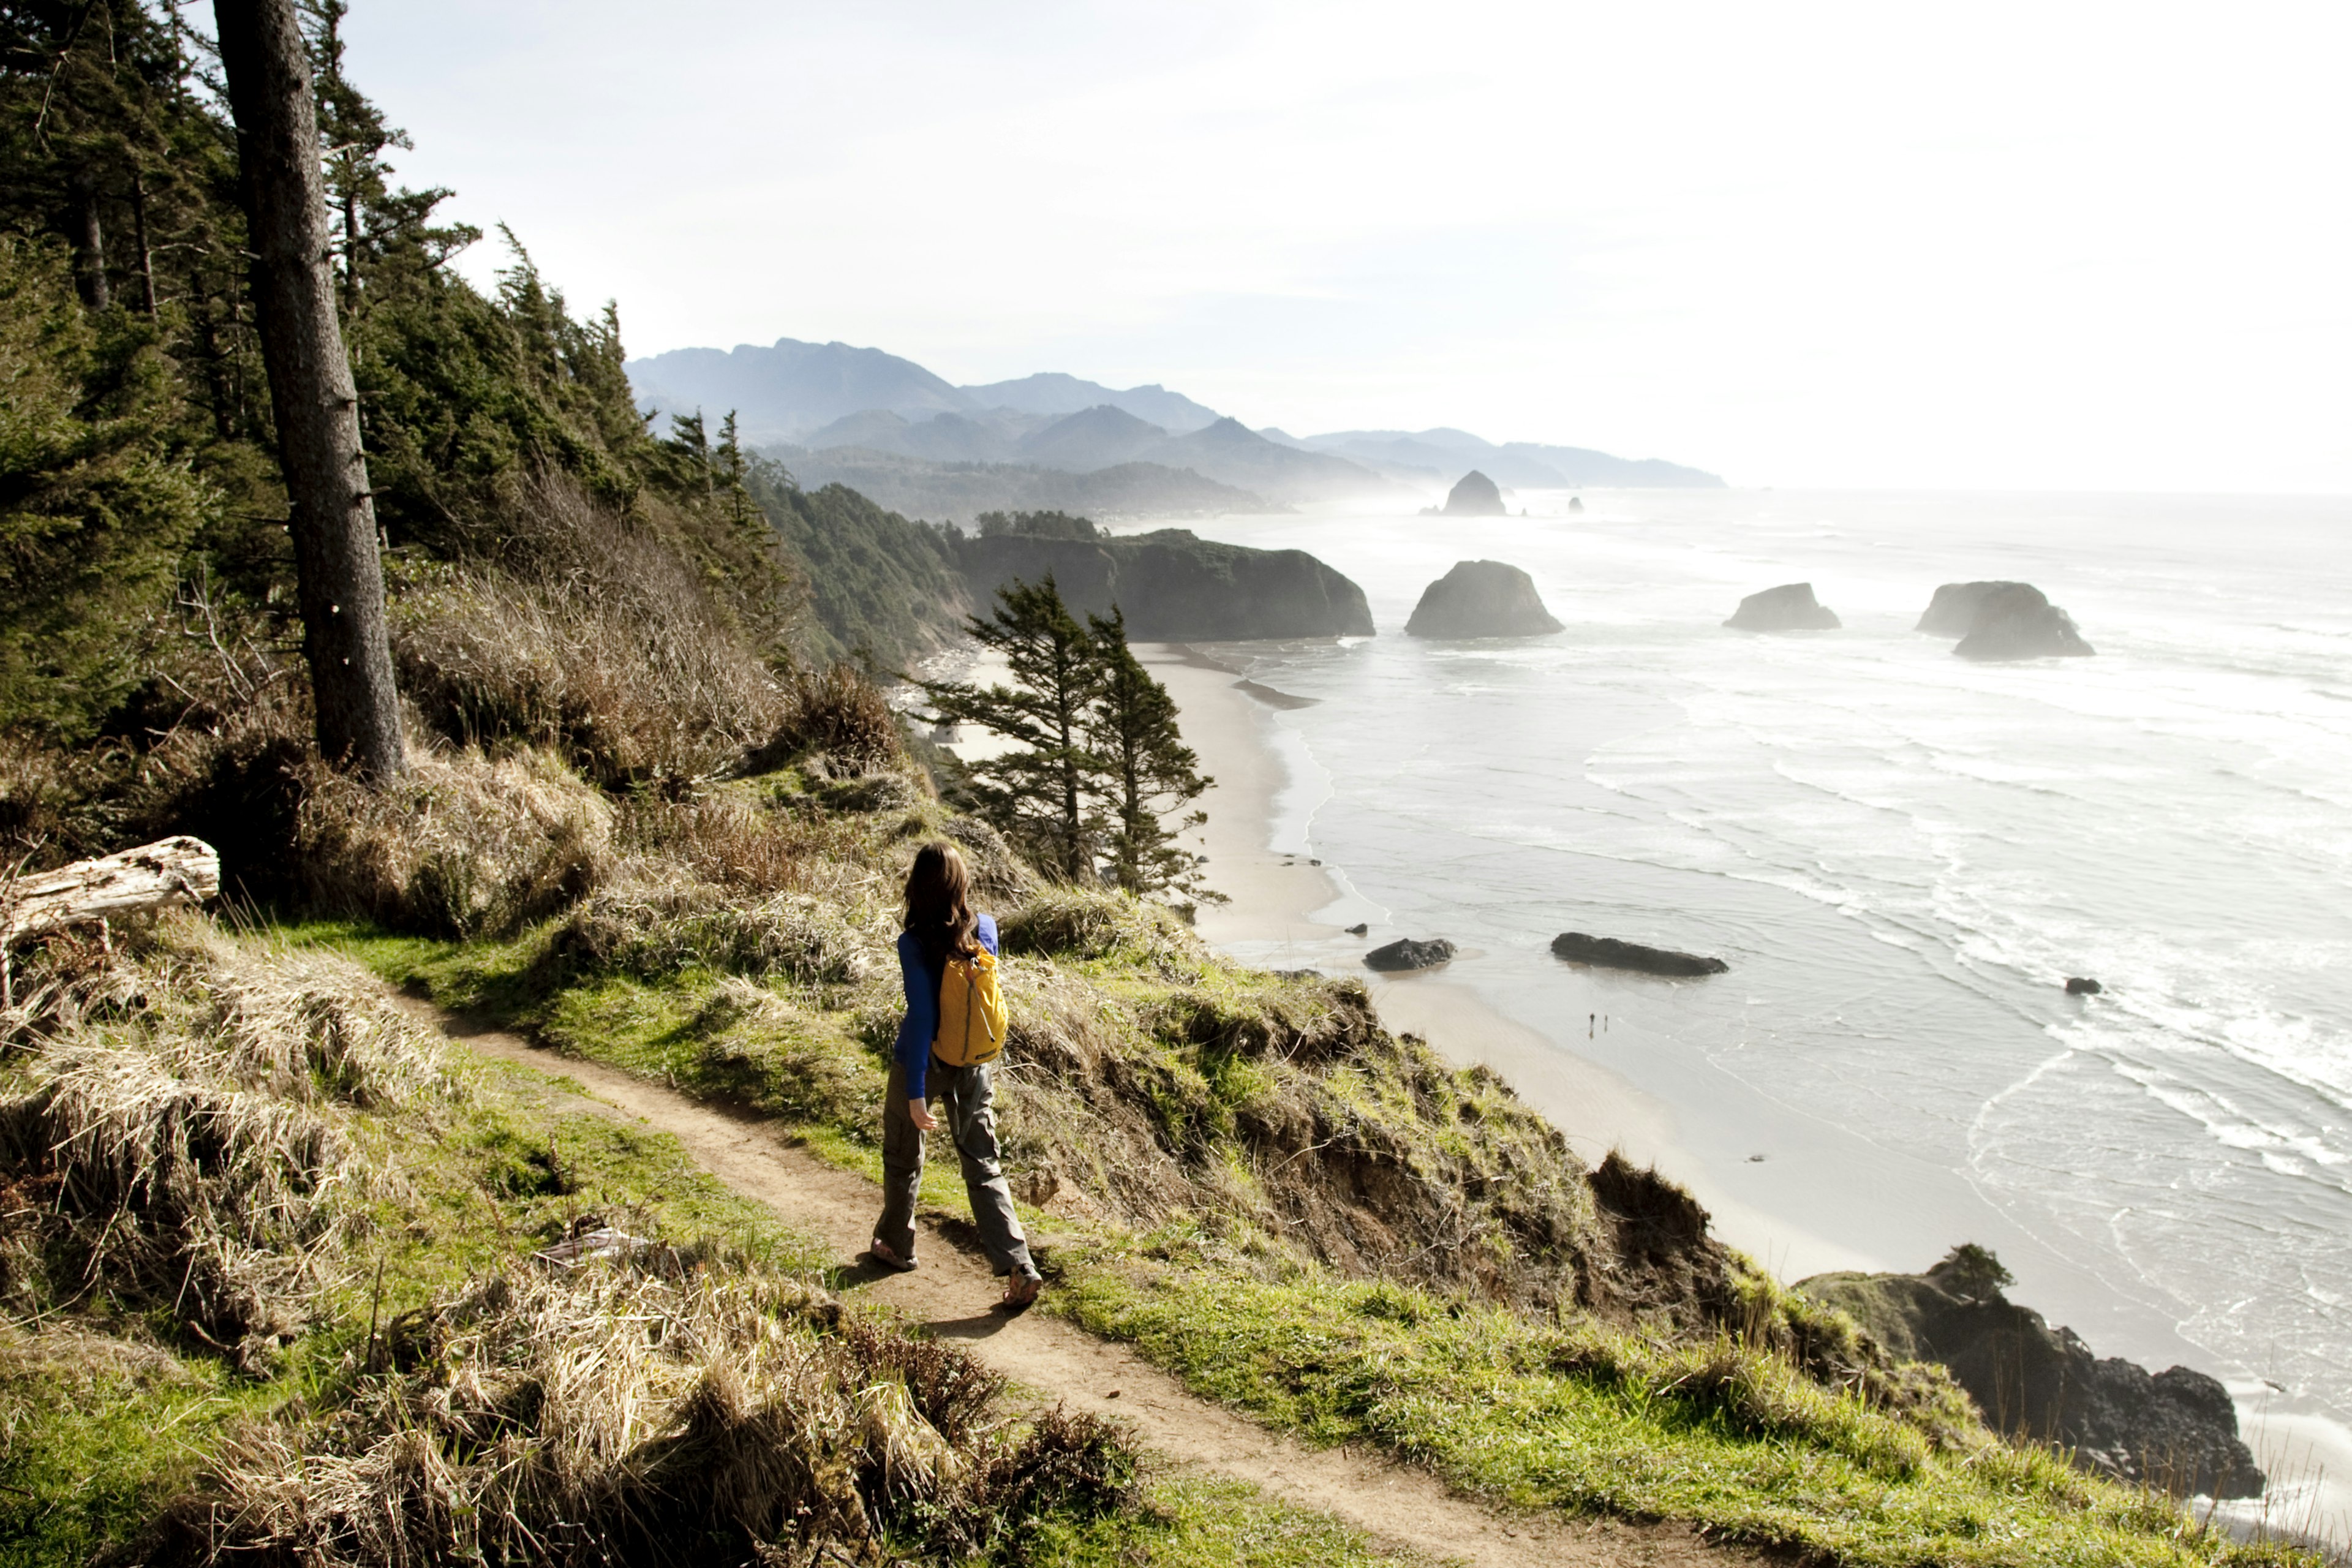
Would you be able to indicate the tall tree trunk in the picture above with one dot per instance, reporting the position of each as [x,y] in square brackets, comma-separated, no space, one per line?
[89,243]
[139,233]
[335,560]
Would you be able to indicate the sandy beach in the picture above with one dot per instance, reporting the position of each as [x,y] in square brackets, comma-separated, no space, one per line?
[1253,838]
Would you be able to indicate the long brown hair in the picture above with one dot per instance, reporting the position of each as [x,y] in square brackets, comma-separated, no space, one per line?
[939,903]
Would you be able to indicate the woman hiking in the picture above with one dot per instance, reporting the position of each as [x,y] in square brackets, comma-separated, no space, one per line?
[940,934]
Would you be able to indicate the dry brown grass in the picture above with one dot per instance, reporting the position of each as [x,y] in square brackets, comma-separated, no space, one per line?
[462,847]
[594,637]
[178,1139]
[631,698]
[609,1417]
[651,920]
[836,714]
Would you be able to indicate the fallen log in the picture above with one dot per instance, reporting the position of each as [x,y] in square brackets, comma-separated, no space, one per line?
[179,870]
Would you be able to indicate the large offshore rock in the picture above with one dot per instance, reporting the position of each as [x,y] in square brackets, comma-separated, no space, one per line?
[1481,599]
[1174,587]
[1609,952]
[1475,495]
[1953,612]
[1790,607]
[2002,621]
[2019,623]
[2174,1429]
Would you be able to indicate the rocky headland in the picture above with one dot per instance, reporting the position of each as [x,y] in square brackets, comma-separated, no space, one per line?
[1609,952]
[1174,587]
[1481,599]
[1475,495]
[2174,1429]
[1790,607]
[2002,621]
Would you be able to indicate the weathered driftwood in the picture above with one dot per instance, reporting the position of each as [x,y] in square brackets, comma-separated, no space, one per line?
[179,870]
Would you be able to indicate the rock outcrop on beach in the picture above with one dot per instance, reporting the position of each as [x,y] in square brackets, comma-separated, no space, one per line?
[1175,586]
[2174,1429]
[1481,599]
[1405,953]
[1790,607]
[1609,952]
[1475,495]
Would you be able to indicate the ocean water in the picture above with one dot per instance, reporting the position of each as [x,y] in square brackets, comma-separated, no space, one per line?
[1903,856]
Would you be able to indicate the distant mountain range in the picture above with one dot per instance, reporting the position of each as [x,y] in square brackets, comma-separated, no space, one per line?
[926,447]
[783,391]
[1445,455]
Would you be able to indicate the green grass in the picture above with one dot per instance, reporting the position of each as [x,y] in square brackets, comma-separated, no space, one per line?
[808,1069]
[1199,1523]
[103,1422]
[1566,1415]
[96,1434]
[1584,1419]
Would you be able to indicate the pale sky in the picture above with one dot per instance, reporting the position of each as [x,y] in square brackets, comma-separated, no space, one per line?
[1999,246]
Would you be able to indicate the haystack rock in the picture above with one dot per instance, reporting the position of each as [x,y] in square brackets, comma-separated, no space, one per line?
[1481,599]
[1475,496]
[1406,955]
[2003,620]
[1790,607]
[2175,1429]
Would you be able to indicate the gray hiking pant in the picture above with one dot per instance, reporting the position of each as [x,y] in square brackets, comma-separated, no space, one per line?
[964,1100]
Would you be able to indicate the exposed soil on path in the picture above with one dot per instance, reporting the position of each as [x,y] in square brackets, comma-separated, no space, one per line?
[1403,1508]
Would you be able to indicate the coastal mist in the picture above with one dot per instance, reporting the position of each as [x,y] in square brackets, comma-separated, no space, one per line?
[1903,856]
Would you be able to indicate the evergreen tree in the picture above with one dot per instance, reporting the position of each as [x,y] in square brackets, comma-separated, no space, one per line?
[732,469]
[94,510]
[1148,774]
[1041,794]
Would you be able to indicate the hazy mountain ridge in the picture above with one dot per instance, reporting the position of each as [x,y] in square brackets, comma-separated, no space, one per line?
[1443,452]
[959,491]
[820,396]
[1226,452]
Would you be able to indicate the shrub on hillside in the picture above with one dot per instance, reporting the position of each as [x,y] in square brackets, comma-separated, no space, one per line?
[461,846]
[592,636]
[836,712]
[652,922]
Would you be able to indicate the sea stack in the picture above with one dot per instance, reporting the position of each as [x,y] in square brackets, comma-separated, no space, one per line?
[1475,496]
[2002,621]
[1790,607]
[1481,599]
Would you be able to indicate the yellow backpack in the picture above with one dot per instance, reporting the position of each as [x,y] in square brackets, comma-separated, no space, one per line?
[971,1012]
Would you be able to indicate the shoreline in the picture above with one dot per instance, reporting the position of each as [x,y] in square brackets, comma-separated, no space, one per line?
[1281,914]
[1287,911]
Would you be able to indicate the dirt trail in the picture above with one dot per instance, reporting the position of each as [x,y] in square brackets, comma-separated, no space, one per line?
[953,1293]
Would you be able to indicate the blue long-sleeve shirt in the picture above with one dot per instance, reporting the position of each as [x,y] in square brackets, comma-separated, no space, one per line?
[922,1025]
